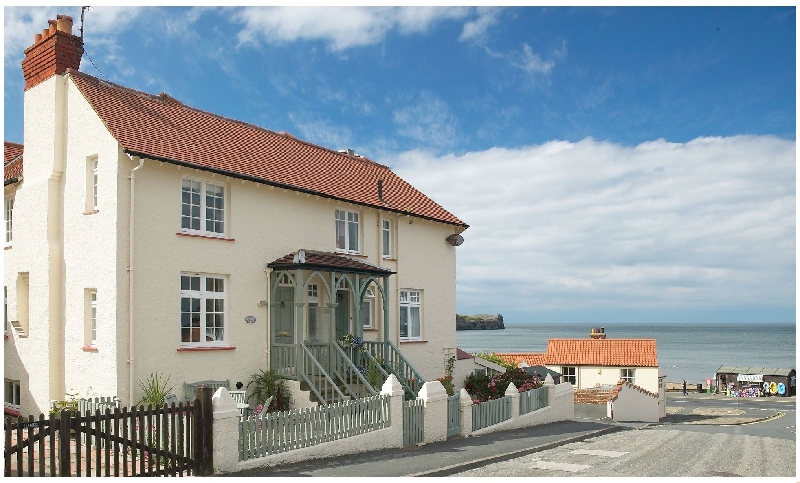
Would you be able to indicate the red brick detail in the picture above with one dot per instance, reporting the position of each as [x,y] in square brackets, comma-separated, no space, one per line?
[89,348]
[53,55]
[591,396]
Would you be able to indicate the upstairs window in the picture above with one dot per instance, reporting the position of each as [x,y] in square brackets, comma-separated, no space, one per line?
[386,237]
[347,231]
[410,315]
[203,305]
[90,324]
[202,207]
[92,172]
[9,217]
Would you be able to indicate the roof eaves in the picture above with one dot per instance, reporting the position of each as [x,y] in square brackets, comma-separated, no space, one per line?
[254,179]
[10,181]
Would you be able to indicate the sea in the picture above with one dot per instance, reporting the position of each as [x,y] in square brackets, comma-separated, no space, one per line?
[690,351]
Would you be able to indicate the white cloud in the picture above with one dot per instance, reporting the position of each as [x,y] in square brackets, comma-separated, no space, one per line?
[322,132]
[340,27]
[476,30]
[705,224]
[427,119]
[531,62]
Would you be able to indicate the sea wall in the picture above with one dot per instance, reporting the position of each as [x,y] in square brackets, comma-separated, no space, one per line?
[479,322]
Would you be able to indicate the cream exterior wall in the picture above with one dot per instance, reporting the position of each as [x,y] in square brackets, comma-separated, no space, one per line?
[264,224]
[82,251]
[591,376]
[632,405]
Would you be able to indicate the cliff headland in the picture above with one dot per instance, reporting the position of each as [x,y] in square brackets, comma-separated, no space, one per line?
[479,322]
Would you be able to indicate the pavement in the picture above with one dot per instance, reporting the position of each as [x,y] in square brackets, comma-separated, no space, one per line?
[459,454]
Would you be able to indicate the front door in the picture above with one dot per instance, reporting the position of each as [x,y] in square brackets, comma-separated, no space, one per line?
[342,313]
[284,316]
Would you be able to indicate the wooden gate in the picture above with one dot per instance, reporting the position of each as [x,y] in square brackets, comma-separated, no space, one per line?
[453,415]
[413,422]
[124,442]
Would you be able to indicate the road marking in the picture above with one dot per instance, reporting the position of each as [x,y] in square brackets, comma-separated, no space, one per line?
[600,452]
[550,465]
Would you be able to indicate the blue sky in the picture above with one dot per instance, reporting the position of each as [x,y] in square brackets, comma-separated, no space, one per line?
[614,164]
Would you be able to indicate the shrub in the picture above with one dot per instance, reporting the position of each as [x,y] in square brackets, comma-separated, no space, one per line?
[447,382]
[269,383]
[484,388]
[155,390]
[492,357]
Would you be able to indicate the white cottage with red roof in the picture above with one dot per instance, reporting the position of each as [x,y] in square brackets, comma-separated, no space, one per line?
[145,236]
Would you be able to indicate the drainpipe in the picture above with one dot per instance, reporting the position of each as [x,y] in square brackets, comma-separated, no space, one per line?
[132,177]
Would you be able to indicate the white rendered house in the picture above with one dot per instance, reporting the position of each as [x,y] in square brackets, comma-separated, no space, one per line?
[145,236]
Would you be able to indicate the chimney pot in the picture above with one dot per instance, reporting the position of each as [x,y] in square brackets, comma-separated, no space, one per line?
[64,24]
[37,38]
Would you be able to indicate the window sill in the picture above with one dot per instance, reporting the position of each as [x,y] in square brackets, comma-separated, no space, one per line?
[89,348]
[211,237]
[11,412]
[413,341]
[390,259]
[7,247]
[92,212]
[369,329]
[350,254]
[202,349]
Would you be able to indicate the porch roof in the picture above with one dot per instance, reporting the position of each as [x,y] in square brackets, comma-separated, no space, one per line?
[315,260]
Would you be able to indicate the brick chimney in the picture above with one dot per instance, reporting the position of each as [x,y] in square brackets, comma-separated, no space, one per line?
[53,52]
[598,333]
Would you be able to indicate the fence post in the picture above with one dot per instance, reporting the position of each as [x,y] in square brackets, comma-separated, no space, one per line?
[434,397]
[551,389]
[466,413]
[226,432]
[64,466]
[394,390]
[203,430]
[513,393]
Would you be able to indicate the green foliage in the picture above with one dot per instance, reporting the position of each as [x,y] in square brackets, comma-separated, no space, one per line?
[155,390]
[269,383]
[482,387]
[492,357]
[70,404]
[374,375]
[447,382]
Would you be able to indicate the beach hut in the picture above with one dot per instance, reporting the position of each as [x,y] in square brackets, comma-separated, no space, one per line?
[774,381]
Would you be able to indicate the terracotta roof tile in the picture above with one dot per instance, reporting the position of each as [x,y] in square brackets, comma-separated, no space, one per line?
[531,358]
[461,355]
[603,352]
[327,261]
[161,127]
[12,160]
[623,383]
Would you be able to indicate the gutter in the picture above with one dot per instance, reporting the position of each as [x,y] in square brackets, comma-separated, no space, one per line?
[131,238]
[10,181]
[254,179]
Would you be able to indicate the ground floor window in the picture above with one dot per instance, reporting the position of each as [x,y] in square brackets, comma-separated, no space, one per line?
[203,309]
[12,394]
[628,374]
[569,374]
[410,315]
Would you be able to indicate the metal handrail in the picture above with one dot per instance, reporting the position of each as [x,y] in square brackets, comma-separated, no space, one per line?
[345,370]
[406,374]
[372,358]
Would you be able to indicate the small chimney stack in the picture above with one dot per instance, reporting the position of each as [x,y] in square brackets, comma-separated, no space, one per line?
[53,52]
[380,190]
[598,333]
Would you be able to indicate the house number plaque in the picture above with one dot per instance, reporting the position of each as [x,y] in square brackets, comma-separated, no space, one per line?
[250,319]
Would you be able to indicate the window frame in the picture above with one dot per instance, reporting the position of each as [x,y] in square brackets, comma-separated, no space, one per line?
[203,208]
[569,374]
[14,387]
[349,219]
[92,177]
[407,302]
[8,218]
[90,318]
[628,374]
[367,306]
[203,295]
[386,238]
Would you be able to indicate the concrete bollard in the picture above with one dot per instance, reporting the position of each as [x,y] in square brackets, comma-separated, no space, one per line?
[466,413]
[434,398]
[225,432]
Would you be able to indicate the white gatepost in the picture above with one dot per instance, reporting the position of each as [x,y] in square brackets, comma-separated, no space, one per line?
[394,390]
[434,397]
[551,389]
[465,400]
[511,391]
[225,432]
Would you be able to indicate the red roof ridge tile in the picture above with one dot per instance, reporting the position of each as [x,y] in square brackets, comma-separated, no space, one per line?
[623,383]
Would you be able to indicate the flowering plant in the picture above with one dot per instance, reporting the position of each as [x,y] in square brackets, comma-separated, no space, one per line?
[483,387]
[349,340]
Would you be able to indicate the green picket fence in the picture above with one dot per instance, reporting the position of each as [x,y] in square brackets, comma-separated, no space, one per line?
[413,422]
[532,400]
[453,415]
[278,432]
[491,412]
